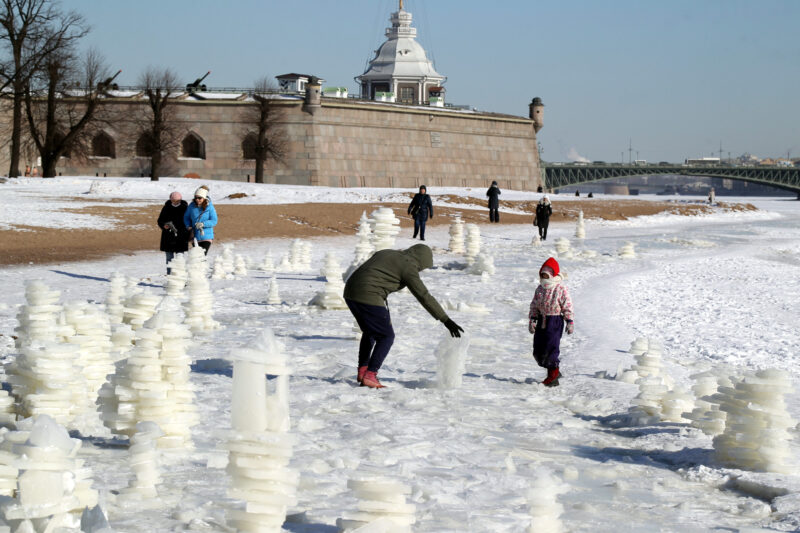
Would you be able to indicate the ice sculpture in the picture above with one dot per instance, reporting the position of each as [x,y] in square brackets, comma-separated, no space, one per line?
[451,356]
[758,427]
[385,227]
[580,229]
[706,415]
[305,257]
[674,404]
[563,247]
[7,417]
[543,500]
[196,260]
[122,338]
[274,297]
[260,445]
[472,243]
[638,346]
[382,505]
[144,458]
[239,266]
[627,251]
[456,244]
[224,263]
[330,297]
[199,306]
[176,280]
[39,318]
[267,265]
[139,308]
[536,241]
[152,384]
[285,264]
[482,264]
[364,248]
[53,486]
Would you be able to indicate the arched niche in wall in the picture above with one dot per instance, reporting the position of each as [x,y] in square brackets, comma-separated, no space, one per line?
[193,146]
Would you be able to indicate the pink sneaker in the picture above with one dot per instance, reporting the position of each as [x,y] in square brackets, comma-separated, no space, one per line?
[361,371]
[371,380]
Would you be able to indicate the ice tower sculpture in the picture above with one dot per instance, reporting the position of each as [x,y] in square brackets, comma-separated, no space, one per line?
[482,264]
[176,280]
[381,507]
[563,248]
[544,507]
[260,445]
[268,265]
[144,457]
[627,251]
[385,227]
[331,296]
[139,308]
[451,356]
[239,265]
[473,242]
[758,427]
[116,297]
[52,486]
[364,248]
[274,297]
[199,306]
[456,244]
[580,229]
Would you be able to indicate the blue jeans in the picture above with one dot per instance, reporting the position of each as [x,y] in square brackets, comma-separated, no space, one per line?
[377,333]
[170,257]
[419,227]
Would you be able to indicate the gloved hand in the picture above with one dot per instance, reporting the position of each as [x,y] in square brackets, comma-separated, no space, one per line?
[532,325]
[570,327]
[199,225]
[454,329]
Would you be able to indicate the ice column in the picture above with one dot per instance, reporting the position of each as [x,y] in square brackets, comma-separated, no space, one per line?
[285,264]
[385,227]
[39,318]
[144,458]
[706,415]
[199,307]
[7,416]
[240,266]
[260,446]
[627,251]
[674,404]
[563,247]
[364,248]
[382,505]
[483,264]
[53,486]
[580,229]
[296,256]
[451,356]
[473,242]
[305,256]
[176,280]
[268,265]
[544,507]
[456,244]
[139,308]
[758,426]
[330,297]
[116,297]
[536,241]
[274,297]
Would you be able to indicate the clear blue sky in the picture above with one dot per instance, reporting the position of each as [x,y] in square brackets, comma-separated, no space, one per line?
[675,76]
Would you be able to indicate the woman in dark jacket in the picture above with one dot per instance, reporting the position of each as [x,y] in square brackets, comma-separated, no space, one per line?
[420,208]
[174,235]
[494,202]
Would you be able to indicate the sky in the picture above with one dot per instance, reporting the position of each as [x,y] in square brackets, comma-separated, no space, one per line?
[672,79]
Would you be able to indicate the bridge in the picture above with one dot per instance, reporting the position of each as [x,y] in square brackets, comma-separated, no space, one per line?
[562,175]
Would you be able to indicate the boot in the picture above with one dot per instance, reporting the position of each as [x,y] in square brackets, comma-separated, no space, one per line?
[361,371]
[552,378]
[370,380]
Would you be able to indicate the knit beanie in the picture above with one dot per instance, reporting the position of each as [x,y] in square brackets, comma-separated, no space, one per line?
[201,192]
[551,267]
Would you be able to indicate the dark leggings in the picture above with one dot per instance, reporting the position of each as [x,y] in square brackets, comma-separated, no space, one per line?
[377,333]
[419,227]
[494,215]
[205,245]
[543,229]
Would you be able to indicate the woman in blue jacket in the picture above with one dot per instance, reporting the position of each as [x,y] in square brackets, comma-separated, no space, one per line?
[200,219]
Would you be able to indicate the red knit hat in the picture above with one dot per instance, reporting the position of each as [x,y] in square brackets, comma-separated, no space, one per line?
[552,264]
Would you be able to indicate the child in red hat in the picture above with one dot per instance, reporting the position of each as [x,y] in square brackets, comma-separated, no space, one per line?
[550,314]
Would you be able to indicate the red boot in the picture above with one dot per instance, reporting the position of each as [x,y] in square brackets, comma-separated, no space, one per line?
[370,380]
[361,371]
[552,377]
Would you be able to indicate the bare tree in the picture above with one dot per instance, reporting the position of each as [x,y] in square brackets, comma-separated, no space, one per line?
[31,32]
[265,136]
[62,104]
[157,133]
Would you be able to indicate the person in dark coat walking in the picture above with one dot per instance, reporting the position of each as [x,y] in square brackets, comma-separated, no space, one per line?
[542,219]
[494,202]
[420,209]
[365,293]
[174,235]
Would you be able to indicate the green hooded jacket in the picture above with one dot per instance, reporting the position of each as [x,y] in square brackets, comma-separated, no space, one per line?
[388,271]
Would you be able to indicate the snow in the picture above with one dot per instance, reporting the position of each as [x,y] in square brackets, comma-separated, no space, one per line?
[718,292]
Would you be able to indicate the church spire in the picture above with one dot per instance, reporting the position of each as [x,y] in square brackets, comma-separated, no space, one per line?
[401,5]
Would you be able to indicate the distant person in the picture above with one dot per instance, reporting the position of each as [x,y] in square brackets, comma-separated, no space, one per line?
[590,195]
[420,209]
[494,202]
[200,219]
[542,218]
[577,192]
[712,197]
[549,316]
[174,235]
[365,292]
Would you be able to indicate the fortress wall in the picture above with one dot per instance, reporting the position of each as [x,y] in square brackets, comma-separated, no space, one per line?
[343,144]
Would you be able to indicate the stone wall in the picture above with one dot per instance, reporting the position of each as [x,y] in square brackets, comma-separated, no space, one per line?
[343,144]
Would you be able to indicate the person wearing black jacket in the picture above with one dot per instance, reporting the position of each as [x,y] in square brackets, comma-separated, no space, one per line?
[542,219]
[174,236]
[494,202]
[420,208]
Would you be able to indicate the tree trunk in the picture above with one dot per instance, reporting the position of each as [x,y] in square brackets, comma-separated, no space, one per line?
[155,165]
[49,166]
[16,134]
[259,170]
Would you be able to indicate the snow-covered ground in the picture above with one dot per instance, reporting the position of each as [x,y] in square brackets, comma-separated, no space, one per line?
[721,291]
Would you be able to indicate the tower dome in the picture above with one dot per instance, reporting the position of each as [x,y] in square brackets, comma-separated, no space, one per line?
[401,66]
